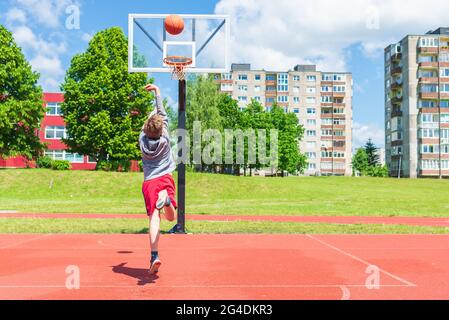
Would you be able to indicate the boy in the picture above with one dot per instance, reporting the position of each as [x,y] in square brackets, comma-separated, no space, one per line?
[158,164]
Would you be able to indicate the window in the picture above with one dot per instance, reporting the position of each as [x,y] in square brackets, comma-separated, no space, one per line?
[339,110]
[444,103]
[444,87]
[326,89]
[243,77]
[53,109]
[296,78]
[338,154]
[55,133]
[257,77]
[283,79]
[270,100]
[428,42]
[326,99]
[226,87]
[282,99]
[444,117]
[327,77]
[282,88]
[444,57]
[271,77]
[339,122]
[425,58]
[311,166]
[242,99]
[296,110]
[311,122]
[257,98]
[268,109]
[339,133]
[427,104]
[311,155]
[64,155]
[296,99]
[429,148]
[311,100]
[339,77]
[326,122]
[311,90]
[326,132]
[311,78]
[257,88]
[339,88]
[428,118]
[311,145]
[311,133]
[429,133]
[426,74]
[326,154]
[243,88]
[226,76]
[311,111]
[326,110]
[271,88]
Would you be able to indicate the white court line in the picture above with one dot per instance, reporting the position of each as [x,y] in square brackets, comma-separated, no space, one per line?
[408,283]
[24,241]
[237,286]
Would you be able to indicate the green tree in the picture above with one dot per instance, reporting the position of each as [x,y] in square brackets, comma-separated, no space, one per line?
[202,105]
[290,134]
[105,106]
[377,171]
[21,105]
[372,152]
[360,162]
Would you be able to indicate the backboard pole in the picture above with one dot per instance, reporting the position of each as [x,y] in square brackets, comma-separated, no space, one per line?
[181,226]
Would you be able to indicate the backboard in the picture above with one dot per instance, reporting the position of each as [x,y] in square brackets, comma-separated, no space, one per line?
[205,40]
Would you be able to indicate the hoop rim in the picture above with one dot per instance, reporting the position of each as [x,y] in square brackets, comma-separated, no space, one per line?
[185,61]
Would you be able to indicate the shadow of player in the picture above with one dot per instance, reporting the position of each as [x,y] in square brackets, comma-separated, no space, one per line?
[142,275]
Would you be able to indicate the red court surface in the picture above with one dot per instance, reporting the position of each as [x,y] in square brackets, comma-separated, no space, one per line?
[411,221]
[226,267]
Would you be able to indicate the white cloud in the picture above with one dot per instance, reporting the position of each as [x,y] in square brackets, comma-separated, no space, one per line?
[279,34]
[15,15]
[362,132]
[86,37]
[46,12]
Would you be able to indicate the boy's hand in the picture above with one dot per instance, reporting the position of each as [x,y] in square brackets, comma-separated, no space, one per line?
[154,88]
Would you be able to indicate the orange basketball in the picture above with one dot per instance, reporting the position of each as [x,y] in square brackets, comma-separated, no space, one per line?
[174,24]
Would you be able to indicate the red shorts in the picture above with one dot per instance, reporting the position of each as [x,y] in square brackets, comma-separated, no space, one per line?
[151,189]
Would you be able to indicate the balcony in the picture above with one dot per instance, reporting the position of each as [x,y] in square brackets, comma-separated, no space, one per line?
[396,57]
[428,50]
[396,70]
[396,85]
[396,100]
[428,65]
[432,80]
[396,112]
[339,94]
[428,95]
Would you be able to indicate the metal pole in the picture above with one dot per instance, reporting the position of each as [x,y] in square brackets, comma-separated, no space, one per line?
[181,228]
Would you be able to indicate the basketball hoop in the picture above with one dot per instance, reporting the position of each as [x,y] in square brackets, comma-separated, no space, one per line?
[178,65]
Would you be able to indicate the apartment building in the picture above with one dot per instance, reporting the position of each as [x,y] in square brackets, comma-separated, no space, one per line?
[417,105]
[322,101]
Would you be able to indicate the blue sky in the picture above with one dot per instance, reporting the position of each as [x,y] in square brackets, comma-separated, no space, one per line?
[337,35]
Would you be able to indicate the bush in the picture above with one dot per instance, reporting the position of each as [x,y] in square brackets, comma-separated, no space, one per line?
[61,165]
[114,165]
[44,162]
[377,171]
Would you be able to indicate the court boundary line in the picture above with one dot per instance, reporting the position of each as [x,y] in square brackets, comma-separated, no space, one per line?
[406,282]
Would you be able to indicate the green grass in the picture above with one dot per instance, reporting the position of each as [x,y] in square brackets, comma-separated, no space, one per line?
[137,226]
[102,192]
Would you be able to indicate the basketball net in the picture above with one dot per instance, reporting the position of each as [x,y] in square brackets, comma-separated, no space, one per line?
[178,66]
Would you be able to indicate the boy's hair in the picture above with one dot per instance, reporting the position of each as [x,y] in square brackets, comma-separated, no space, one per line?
[153,127]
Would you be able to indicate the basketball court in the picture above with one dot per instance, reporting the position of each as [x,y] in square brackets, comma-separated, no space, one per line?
[226,267]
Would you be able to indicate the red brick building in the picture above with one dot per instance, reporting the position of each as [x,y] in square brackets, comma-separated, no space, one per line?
[52,130]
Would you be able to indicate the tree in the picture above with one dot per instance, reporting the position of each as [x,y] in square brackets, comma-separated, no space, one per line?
[372,152]
[105,106]
[290,133]
[377,171]
[202,105]
[360,162]
[21,105]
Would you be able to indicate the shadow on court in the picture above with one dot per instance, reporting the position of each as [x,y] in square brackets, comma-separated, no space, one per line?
[142,275]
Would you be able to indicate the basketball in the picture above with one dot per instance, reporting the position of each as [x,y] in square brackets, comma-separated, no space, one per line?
[174,24]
